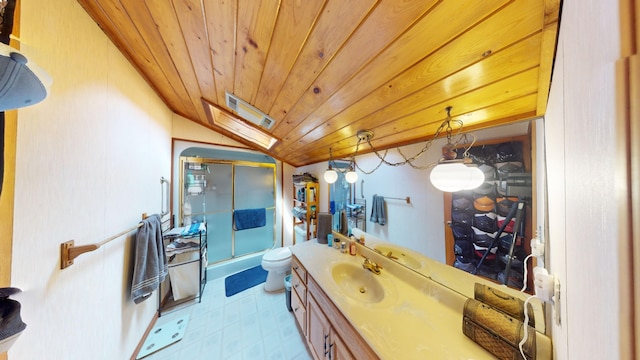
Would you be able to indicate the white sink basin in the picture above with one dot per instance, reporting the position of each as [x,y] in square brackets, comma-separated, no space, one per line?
[357,283]
[399,254]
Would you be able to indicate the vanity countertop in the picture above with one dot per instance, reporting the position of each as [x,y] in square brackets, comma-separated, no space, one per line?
[418,318]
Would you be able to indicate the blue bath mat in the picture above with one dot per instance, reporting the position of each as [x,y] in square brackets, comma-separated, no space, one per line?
[243,280]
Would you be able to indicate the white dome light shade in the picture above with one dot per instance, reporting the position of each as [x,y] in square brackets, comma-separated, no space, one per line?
[351,176]
[330,176]
[454,177]
[477,178]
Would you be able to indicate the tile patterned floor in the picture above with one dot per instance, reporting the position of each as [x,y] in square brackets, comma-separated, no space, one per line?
[252,324]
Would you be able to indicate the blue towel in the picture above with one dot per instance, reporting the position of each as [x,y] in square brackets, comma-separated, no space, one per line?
[378,213]
[249,218]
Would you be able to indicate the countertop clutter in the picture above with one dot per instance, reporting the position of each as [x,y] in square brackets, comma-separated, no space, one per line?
[399,313]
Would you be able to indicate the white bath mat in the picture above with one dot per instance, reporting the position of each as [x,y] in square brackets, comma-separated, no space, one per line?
[163,335]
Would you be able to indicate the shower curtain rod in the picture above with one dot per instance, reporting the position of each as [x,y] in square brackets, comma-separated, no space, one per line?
[68,250]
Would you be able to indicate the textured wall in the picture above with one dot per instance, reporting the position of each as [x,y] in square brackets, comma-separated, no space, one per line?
[89,160]
[581,156]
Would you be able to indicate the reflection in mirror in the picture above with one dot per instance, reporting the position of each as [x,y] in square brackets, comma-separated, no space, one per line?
[452,278]
[342,197]
[490,226]
[418,231]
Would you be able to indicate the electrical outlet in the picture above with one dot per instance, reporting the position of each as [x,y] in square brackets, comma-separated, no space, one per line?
[537,247]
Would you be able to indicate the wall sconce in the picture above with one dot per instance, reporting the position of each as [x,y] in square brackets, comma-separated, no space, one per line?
[331,175]
[449,174]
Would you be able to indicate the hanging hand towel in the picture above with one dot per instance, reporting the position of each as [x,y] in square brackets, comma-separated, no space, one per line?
[150,268]
[378,214]
[249,218]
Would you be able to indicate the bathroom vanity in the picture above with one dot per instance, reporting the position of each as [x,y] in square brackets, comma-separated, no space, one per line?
[345,311]
[329,334]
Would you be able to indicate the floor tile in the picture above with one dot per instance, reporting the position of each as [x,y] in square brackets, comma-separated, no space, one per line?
[250,325]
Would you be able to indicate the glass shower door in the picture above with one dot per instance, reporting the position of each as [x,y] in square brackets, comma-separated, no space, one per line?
[213,189]
[216,206]
[253,189]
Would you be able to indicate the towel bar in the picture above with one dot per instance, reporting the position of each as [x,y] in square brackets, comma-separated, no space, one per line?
[68,250]
[407,199]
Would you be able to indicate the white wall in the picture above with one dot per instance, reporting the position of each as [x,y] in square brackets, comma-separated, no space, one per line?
[581,156]
[420,224]
[89,162]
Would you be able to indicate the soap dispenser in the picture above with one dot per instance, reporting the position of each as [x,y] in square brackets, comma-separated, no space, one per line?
[352,247]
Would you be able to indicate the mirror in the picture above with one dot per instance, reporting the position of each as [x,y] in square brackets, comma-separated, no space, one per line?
[342,197]
[408,243]
[452,278]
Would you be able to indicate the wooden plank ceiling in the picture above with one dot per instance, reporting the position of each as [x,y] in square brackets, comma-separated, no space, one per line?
[324,69]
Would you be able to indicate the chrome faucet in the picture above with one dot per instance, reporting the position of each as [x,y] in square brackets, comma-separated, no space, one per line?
[371,266]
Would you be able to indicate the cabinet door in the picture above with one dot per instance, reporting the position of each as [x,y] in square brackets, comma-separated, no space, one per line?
[299,311]
[338,348]
[318,330]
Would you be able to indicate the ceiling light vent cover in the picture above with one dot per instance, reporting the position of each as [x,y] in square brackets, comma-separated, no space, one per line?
[248,112]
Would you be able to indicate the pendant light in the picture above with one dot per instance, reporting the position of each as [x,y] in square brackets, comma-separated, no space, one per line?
[331,175]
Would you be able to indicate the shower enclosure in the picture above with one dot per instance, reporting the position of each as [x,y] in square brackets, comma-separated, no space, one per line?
[212,190]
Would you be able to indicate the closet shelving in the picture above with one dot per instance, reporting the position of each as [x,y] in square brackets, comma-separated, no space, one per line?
[305,205]
[187,258]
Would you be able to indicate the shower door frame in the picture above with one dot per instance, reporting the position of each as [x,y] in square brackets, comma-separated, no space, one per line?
[233,164]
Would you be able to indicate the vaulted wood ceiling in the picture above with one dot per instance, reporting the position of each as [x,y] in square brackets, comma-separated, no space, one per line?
[324,69]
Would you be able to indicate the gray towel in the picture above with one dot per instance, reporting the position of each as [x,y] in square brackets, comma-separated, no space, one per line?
[344,224]
[150,267]
[324,227]
[378,213]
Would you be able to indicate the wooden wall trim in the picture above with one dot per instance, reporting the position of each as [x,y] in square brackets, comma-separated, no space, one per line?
[628,195]
[6,198]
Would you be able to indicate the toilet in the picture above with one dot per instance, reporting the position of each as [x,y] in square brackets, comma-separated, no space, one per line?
[277,262]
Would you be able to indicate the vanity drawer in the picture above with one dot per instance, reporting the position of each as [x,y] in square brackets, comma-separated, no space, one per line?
[299,311]
[297,268]
[299,287]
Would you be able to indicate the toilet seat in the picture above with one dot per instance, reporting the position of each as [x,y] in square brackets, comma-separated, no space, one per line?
[277,262]
[277,254]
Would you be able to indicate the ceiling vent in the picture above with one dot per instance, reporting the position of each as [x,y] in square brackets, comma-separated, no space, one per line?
[249,112]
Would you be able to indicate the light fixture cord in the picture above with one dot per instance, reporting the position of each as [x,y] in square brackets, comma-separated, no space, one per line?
[445,126]
[333,165]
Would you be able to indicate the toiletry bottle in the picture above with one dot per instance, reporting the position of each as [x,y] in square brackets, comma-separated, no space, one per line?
[343,247]
[336,243]
[329,240]
[352,248]
[361,239]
